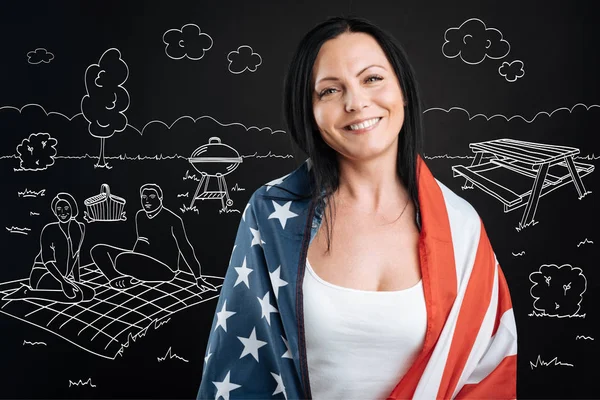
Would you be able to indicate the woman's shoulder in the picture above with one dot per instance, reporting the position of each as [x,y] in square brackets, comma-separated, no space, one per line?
[292,186]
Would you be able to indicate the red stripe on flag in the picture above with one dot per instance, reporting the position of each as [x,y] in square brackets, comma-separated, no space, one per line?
[438,270]
[474,306]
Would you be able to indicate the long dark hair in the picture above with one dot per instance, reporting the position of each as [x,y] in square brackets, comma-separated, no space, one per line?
[301,124]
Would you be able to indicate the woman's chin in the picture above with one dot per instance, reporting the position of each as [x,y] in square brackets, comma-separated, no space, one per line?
[366,154]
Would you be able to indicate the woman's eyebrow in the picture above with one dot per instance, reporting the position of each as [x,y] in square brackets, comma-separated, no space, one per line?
[332,78]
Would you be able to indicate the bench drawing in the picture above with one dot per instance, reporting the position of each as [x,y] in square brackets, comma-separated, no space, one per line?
[541,168]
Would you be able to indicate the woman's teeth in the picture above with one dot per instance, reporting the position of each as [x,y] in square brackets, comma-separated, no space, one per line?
[363,125]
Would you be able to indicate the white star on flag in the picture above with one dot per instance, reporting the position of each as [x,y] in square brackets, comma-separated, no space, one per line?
[251,345]
[280,387]
[208,355]
[282,213]
[266,308]
[231,256]
[276,280]
[256,239]
[288,353]
[244,213]
[243,273]
[222,317]
[276,182]
[223,388]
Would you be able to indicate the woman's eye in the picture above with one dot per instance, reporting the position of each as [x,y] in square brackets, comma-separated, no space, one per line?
[374,78]
[326,92]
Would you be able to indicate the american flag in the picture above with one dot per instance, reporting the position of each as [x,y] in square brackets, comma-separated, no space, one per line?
[256,347]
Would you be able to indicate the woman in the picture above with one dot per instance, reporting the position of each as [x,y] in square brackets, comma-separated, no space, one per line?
[55,272]
[402,296]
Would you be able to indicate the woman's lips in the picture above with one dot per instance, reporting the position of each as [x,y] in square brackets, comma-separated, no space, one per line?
[363,130]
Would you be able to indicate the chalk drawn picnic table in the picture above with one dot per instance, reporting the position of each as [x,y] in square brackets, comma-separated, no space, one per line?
[548,166]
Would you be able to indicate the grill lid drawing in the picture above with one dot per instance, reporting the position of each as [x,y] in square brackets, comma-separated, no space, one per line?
[214,160]
[105,207]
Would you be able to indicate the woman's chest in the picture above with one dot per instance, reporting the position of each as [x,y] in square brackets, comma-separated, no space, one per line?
[367,256]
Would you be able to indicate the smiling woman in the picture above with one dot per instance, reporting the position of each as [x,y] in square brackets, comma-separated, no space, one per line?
[356,91]
[55,272]
[403,296]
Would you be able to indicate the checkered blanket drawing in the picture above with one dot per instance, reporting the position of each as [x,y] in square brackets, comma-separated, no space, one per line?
[104,325]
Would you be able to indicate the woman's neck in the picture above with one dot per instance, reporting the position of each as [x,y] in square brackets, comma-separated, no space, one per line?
[371,186]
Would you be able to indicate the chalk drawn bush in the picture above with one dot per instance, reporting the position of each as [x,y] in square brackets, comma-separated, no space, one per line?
[37,152]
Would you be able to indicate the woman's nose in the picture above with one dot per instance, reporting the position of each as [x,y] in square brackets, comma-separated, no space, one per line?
[356,99]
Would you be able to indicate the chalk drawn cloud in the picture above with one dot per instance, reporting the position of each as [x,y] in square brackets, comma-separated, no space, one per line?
[557,290]
[243,59]
[511,71]
[39,55]
[188,42]
[473,42]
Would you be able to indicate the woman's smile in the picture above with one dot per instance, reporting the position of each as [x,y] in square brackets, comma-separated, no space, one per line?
[364,126]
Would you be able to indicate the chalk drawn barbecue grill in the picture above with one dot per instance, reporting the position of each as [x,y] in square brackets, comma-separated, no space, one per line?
[214,160]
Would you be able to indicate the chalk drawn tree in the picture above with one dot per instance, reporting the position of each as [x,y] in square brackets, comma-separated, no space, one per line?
[106,99]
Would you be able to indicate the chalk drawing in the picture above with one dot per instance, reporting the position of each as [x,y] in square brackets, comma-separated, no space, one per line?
[82,383]
[34,343]
[17,230]
[585,241]
[473,42]
[214,160]
[518,254]
[160,249]
[548,167]
[187,42]
[170,355]
[32,193]
[104,207]
[584,337]
[55,274]
[529,121]
[106,100]
[39,55]
[511,71]
[552,363]
[36,152]
[557,291]
[243,59]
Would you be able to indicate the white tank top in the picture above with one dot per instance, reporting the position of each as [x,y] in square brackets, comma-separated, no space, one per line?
[360,343]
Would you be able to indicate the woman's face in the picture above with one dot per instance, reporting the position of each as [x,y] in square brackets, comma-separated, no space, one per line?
[63,211]
[357,101]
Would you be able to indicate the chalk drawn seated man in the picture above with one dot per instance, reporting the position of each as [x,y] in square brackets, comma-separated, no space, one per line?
[55,272]
[160,248]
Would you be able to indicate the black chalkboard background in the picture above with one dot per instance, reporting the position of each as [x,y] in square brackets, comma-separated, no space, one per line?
[178,101]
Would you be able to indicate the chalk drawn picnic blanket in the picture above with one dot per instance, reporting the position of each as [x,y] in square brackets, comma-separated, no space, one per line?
[104,325]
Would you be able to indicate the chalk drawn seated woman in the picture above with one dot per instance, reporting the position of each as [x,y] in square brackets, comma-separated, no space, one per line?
[55,273]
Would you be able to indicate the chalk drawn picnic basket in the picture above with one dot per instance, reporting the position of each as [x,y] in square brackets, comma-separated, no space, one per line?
[104,207]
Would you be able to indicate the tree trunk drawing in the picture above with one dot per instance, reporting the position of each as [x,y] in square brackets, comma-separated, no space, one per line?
[101,160]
